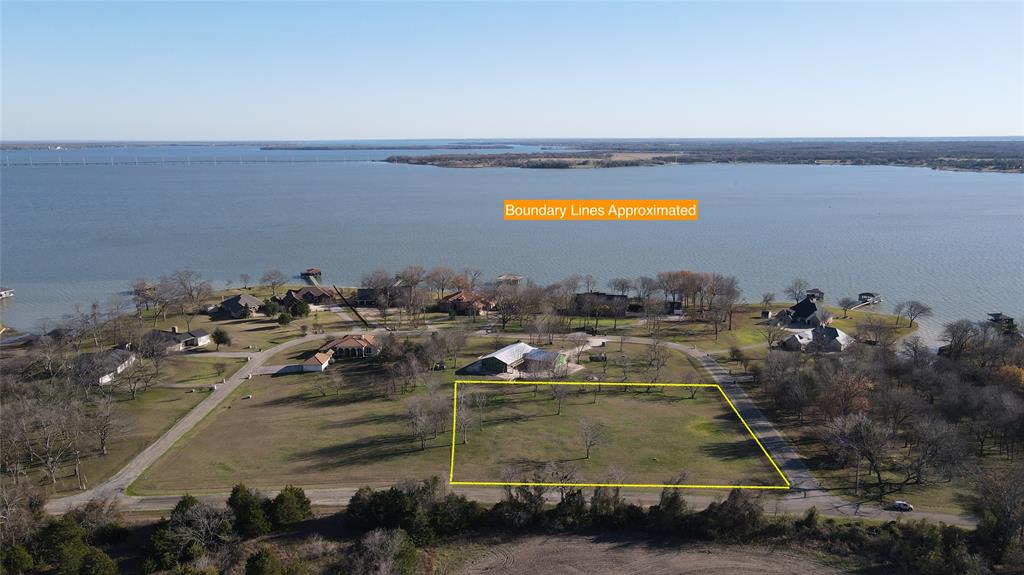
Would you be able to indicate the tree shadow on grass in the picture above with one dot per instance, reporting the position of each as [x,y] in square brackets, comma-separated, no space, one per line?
[366,420]
[373,449]
[732,450]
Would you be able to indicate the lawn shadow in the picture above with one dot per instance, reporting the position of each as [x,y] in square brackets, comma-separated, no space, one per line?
[731,450]
[373,449]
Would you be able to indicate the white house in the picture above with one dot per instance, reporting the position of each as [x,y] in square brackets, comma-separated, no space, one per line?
[318,361]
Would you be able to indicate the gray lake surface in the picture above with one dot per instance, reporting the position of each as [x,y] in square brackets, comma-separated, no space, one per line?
[74,234]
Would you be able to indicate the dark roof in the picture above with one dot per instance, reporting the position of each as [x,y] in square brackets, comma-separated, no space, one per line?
[199,333]
[805,309]
[999,316]
[238,302]
[101,363]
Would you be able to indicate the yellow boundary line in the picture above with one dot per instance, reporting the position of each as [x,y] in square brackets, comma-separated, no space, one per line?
[455,412]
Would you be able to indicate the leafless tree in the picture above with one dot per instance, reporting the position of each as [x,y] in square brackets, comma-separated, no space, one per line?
[376,552]
[593,434]
[656,357]
[191,291]
[275,279]
[766,299]
[959,335]
[558,393]
[106,420]
[245,279]
[471,276]
[847,303]
[797,289]
[420,418]
[579,341]
[915,309]
[620,286]
[440,278]
[772,333]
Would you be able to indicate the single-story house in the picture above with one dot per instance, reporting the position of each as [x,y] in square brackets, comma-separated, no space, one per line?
[310,294]
[821,338]
[516,357]
[606,304]
[175,340]
[353,345]
[816,294]
[102,367]
[237,306]
[318,361]
[465,303]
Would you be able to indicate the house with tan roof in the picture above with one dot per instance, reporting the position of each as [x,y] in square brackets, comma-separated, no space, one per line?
[318,361]
[353,345]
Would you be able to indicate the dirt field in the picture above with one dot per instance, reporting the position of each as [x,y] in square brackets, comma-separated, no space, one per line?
[569,555]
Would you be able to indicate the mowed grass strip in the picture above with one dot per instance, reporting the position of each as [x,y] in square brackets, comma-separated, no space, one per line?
[653,435]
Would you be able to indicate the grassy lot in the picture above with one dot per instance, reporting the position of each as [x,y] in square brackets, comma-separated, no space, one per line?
[521,428]
[197,370]
[291,433]
[146,418]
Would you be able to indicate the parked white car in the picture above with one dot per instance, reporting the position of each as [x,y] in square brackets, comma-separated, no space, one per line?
[900,506]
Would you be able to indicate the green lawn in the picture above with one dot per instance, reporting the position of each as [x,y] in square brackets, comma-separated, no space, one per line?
[652,436]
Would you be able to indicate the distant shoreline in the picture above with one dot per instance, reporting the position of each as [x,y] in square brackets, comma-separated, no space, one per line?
[975,156]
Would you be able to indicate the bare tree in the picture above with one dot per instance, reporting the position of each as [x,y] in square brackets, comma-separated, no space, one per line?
[558,393]
[766,299]
[620,286]
[190,291]
[471,276]
[275,279]
[106,420]
[847,303]
[797,289]
[440,278]
[593,434]
[959,336]
[420,418]
[376,552]
[579,341]
[772,333]
[245,279]
[915,309]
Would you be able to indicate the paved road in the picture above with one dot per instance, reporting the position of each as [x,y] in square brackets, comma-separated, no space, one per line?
[806,493]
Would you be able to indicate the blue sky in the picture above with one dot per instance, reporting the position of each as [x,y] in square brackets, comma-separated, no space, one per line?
[221,70]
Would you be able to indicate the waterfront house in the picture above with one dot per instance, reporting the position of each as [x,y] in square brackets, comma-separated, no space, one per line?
[318,361]
[803,312]
[465,303]
[240,306]
[353,345]
[1007,323]
[102,367]
[310,295]
[599,303]
[820,339]
[174,340]
[816,294]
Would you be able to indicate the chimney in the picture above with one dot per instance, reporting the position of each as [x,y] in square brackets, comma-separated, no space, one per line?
[174,329]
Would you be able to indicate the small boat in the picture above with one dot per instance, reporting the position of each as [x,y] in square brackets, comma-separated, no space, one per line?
[869,298]
[6,293]
[311,273]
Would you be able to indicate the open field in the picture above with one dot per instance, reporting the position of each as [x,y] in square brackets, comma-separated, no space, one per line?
[653,435]
[195,370]
[290,432]
[604,556]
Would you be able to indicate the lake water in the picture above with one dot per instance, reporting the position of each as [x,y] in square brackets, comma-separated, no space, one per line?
[75,234]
